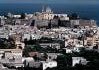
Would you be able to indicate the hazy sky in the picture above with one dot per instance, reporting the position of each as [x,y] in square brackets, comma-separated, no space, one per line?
[51,1]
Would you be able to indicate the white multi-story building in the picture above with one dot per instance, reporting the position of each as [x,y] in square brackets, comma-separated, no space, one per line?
[78,60]
[16,16]
[11,55]
[26,36]
[52,45]
[49,64]
[19,44]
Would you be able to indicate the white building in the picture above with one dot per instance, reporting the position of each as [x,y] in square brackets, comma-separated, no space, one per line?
[16,16]
[29,61]
[4,36]
[26,60]
[68,50]
[52,56]
[3,33]
[78,60]
[35,36]
[11,57]
[77,48]
[50,64]
[19,44]
[26,36]
[52,45]
[29,16]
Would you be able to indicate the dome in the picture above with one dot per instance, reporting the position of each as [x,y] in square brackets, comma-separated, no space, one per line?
[48,9]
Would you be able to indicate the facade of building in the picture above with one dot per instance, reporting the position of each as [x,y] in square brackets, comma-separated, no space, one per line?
[11,57]
[78,60]
[52,45]
[83,23]
[50,64]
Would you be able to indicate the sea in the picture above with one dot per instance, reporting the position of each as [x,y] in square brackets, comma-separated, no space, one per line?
[89,11]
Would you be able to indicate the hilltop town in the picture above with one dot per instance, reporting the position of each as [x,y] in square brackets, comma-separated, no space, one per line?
[48,41]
